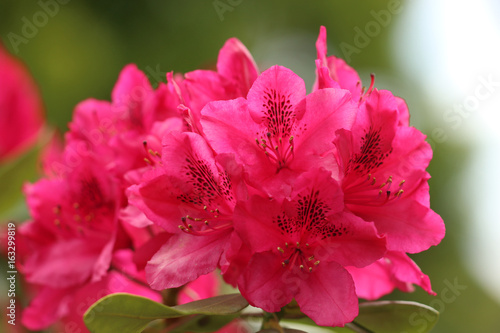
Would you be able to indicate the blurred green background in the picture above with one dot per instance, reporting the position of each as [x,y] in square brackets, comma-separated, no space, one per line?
[80,49]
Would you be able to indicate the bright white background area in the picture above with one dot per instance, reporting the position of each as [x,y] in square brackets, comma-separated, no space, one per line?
[452,47]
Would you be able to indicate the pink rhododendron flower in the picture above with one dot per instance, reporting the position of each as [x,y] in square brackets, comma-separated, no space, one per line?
[382,164]
[315,198]
[382,171]
[195,191]
[277,132]
[300,247]
[21,116]
[379,150]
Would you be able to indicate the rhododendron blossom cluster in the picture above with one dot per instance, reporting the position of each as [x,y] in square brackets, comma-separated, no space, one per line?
[315,198]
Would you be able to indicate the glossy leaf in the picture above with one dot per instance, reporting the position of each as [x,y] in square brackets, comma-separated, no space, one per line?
[201,324]
[126,313]
[396,317]
[384,317]
[285,330]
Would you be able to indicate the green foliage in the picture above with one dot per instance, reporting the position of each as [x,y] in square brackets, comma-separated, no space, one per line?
[13,175]
[395,317]
[129,313]
[386,317]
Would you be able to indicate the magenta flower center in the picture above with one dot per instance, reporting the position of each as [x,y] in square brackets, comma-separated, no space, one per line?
[306,231]
[366,190]
[84,211]
[279,119]
[212,197]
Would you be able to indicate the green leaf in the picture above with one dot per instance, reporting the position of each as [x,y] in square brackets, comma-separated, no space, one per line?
[201,323]
[309,322]
[218,305]
[285,330]
[395,317]
[13,175]
[126,313]
[385,317]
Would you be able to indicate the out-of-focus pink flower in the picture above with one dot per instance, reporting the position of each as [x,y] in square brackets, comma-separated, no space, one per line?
[21,110]
[300,247]
[203,287]
[74,214]
[117,130]
[69,304]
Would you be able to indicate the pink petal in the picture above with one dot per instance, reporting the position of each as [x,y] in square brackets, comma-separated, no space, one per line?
[253,221]
[148,250]
[129,95]
[203,287]
[264,283]
[328,295]
[324,80]
[326,111]
[339,71]
[358,246]
[204,86]
[230,129]
[86,296]
[395,270]
[278,89]
[50,265]
[321,47]
[346,76]
[185,257]
[408,225]
[49,305]
[237,64]
[151,198]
